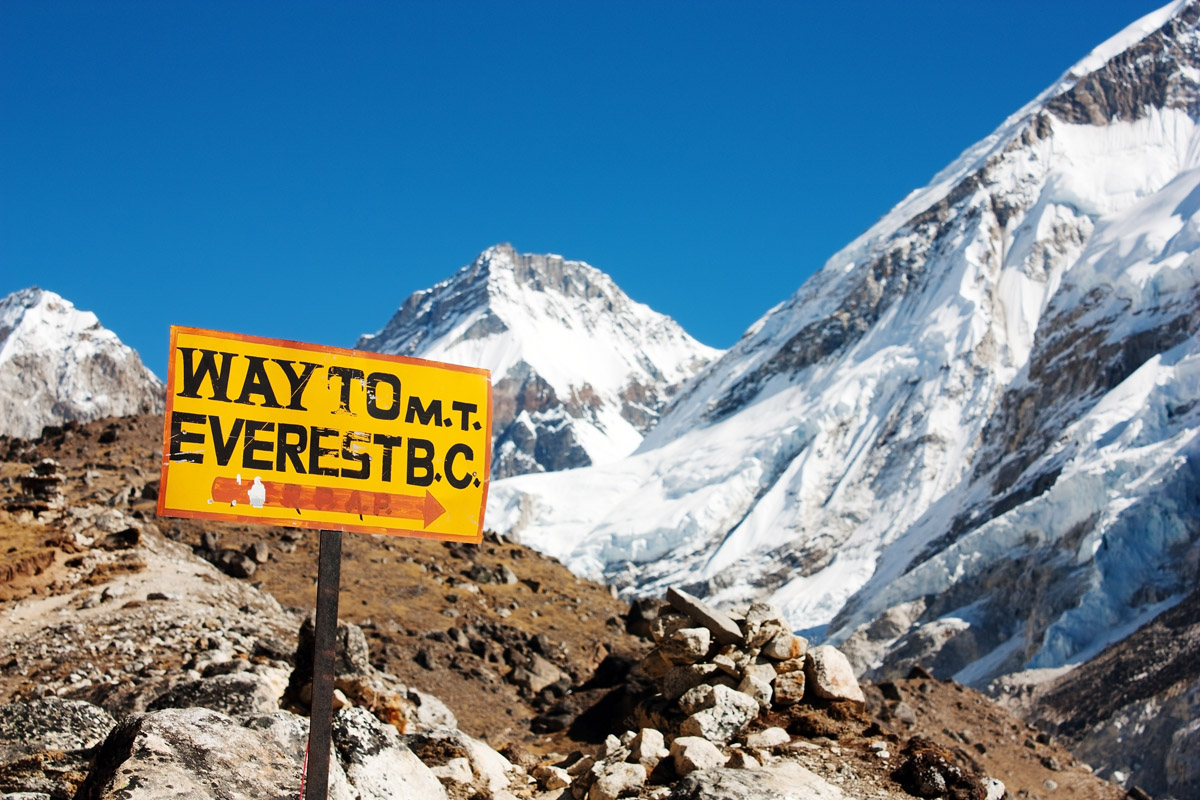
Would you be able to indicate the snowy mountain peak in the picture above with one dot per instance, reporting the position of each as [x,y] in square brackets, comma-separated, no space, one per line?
[58,363]
[971,439]
[579,370]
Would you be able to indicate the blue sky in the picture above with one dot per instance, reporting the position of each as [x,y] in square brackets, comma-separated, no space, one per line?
[296,170]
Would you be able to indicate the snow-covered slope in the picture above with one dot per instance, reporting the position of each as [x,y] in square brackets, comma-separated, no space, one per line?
[579,370]
[971,438]
[57,364]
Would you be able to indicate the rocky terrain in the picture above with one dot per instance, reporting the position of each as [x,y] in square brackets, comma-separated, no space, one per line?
[144,657]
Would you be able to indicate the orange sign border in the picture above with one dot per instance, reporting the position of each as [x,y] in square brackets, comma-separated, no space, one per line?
[162,511]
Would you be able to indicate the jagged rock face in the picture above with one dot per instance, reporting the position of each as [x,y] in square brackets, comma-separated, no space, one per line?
[579,370]
[971,439]
[58,364]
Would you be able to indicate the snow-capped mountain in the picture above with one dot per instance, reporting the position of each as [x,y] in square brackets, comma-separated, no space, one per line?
[971,439]
[579,370]
[58,363]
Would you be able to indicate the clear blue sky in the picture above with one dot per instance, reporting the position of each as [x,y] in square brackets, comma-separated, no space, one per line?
[297,169]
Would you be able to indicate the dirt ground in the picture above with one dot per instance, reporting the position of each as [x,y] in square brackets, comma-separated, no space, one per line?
[411,596]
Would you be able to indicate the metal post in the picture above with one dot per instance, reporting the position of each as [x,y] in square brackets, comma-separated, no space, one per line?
[329,575]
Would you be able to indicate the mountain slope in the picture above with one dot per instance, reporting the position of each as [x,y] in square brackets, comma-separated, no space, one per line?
[971,438]
[58,364]
[579,370]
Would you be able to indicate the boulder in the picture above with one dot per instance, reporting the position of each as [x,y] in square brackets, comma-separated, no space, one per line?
[828,675]
[691,753]
[289,732]
[35,726]
[379,765]
[193,753]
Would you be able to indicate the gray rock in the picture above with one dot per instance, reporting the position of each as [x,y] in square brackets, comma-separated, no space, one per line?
[35,726]
[456,770]
[259,552]
[763,623]
[686,645]
[784,646]
[234,564]
[539,674]
[289,732]
[233,694]
[648,748]
[783,781]
[691,753]
[830,676]
[378,765]
[757,688]
[768,738]
[789,689]
[428,712]
[189,753]
[718,714]
[723,628]
[439,746]
[352,659]
[764,672]
[617,780]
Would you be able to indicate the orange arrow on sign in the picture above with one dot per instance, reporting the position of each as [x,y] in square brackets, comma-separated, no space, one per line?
[301,497]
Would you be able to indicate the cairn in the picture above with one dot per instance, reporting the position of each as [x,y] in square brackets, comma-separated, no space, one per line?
[41,489]
[716,674]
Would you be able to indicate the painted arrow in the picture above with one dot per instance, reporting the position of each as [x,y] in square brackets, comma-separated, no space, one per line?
[301,497]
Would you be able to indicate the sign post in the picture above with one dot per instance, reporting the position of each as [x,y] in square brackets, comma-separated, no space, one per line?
[284,433]
[320,718]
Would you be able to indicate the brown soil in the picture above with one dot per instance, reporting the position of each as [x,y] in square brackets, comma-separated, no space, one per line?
[401,591]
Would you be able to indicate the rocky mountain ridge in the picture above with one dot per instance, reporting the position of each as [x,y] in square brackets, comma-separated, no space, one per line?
[580,371]
[58,363]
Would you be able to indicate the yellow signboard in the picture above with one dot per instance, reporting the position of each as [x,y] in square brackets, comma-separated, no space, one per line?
[284,433]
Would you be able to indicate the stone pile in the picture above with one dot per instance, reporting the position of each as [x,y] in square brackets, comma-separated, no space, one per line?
[717,674]
[41,489]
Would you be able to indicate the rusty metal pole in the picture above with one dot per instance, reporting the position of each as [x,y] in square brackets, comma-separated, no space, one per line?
[329,576]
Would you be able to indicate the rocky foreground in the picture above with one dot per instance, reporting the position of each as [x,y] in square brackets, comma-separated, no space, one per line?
[135,664]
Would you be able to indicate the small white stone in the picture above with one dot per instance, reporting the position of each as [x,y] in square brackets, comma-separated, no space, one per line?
[768,738]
